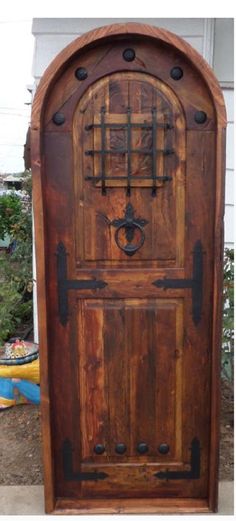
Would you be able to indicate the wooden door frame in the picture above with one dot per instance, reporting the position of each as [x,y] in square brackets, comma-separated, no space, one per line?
[52,73]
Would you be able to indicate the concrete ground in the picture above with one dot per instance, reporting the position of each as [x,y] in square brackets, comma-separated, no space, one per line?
[28,500]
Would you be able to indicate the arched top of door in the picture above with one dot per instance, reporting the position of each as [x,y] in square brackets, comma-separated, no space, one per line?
[138,32]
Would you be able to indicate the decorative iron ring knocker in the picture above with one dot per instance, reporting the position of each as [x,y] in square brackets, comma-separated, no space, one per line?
[129,223]
[130,249]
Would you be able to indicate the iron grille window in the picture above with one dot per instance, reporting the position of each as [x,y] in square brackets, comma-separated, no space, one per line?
[127,150]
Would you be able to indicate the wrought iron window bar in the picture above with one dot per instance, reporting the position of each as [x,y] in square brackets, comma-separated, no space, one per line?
[164,151]
[123,126]
[117,177]
[153,126]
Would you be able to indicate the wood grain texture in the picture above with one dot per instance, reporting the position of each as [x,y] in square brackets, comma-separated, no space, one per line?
[132,506]
[217,317]
[126,374]
[162,243]
[42,323]
[130,365]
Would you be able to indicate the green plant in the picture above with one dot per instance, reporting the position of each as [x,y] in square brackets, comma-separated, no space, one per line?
[16,265]
[10,211]
[228,316]
[12,308]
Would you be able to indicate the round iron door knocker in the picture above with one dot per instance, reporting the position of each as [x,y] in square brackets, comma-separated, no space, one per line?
[129,223]
[129,248]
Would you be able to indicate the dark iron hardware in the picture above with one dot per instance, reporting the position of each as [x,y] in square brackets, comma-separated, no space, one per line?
[142,448]
[194,473]
[81,74]
[129,223]
[123,126]
[195,284]
[120,177]
[99,449]
[154,150]
[63,284]
[176,73]
[102,152]
[58,118]
[163,448]
[129,55]
[120,448]
[69,474]
[165,152]
[128,150]
[200,117]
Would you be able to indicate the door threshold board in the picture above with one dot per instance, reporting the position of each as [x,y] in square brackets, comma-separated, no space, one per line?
[132,506]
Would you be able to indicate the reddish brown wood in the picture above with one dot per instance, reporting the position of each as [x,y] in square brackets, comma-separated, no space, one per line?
[131,506]
[217,317]
[130,365]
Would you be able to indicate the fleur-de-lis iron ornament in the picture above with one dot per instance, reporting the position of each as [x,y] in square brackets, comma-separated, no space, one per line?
[130,224]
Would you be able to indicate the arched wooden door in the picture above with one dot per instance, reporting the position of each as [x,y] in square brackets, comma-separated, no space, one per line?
[128,144]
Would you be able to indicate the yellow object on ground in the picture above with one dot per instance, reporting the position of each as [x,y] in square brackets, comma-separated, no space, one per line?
[19,400]
[28,371]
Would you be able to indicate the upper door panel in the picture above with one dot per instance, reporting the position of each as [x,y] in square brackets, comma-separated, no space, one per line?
[129,142]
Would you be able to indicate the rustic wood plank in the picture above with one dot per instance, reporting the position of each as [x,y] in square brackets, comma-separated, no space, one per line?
[116,359]
[93,411]
[217,318]
[130,506]
[40,248]
[167,425]
[143,356]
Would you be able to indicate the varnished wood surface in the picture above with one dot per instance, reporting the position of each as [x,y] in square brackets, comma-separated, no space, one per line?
[37,196]
[217,316]
[123,396]
[129,506]
[130,363]
[165,213]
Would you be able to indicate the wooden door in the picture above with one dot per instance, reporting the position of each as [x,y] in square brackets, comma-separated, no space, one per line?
[129,211]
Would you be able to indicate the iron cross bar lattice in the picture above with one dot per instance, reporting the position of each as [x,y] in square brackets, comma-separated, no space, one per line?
[153,151]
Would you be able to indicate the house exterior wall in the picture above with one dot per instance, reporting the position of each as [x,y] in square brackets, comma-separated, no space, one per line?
[223,65]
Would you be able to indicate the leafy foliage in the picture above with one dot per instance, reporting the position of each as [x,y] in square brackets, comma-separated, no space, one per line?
[10,211]
[228,316]
[16,265]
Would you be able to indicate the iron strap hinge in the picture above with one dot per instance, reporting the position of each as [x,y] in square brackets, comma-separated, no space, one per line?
[193,473]
[64,284]
[195,283]
[69,474]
